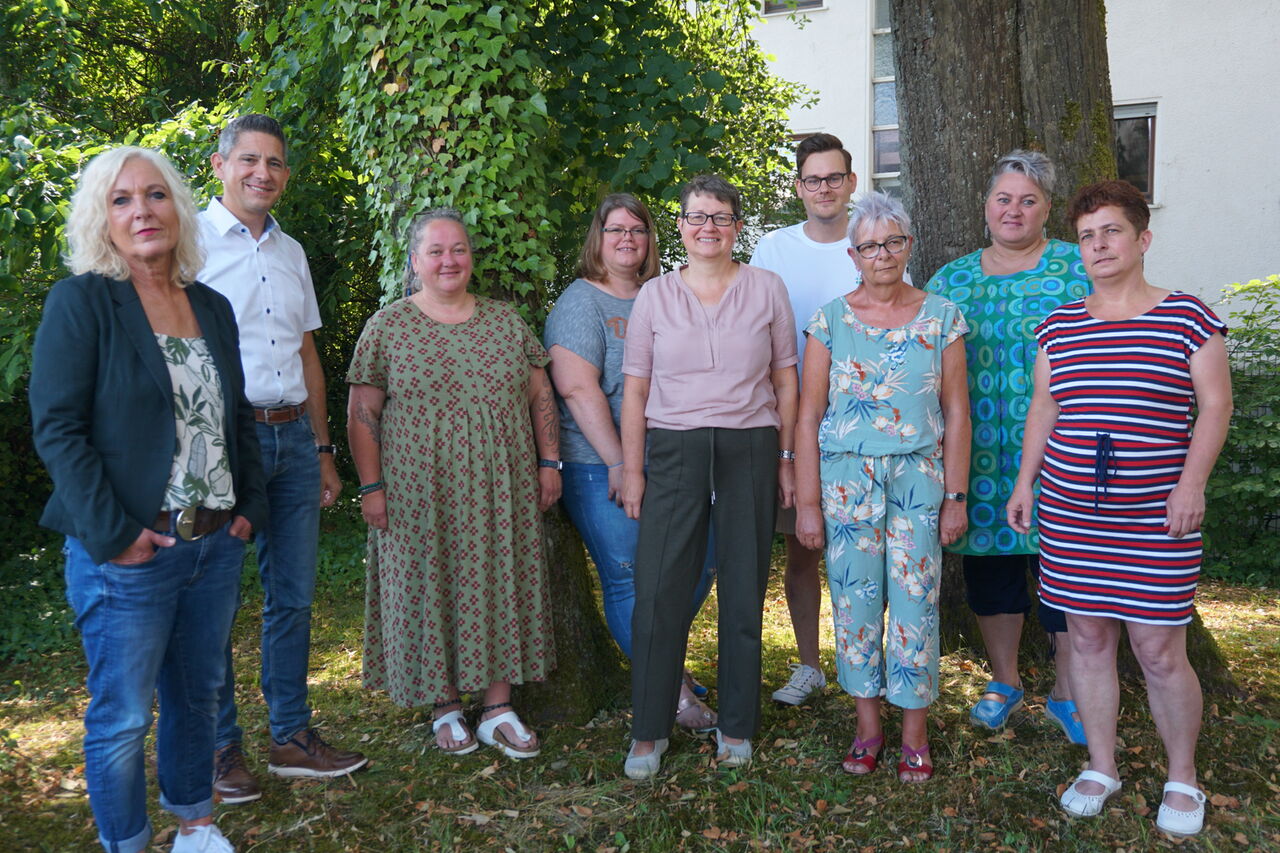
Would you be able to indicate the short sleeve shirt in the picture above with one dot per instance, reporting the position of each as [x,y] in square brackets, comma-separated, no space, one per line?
[591,324]
[885,385]
[710,366]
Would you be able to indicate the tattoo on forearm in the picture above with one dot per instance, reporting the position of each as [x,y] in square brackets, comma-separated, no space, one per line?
[545,419]
[371,421]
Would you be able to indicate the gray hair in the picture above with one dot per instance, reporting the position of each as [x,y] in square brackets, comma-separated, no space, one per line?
[250,123]
[89,246]
[877,207]
[1036,166]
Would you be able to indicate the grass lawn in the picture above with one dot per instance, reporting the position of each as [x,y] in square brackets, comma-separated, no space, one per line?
[988,793]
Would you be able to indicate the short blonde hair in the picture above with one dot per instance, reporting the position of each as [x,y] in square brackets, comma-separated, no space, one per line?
[89,246]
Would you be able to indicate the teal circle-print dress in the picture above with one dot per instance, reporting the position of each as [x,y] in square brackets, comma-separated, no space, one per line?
[1003,311]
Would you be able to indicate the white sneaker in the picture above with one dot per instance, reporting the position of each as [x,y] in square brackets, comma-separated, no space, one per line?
[203,839]
[805,681]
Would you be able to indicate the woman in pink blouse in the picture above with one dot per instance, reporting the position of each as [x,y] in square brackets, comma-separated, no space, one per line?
[710,383]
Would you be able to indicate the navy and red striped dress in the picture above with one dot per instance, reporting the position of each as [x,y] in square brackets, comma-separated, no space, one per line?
[1124,393]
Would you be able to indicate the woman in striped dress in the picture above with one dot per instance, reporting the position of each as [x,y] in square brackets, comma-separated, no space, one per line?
[1122,479]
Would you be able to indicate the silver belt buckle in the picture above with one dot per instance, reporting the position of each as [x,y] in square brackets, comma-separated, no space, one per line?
[186,525]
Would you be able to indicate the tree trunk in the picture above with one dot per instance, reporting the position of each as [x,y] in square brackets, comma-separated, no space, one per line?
[975,80]
[588,674]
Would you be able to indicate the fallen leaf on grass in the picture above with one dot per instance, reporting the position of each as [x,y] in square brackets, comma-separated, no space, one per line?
[1222,801]
[478,818]
[1240,838]
[739,787]
[582,811]
[949,811]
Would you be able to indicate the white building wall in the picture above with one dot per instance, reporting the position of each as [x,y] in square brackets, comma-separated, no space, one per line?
[1209,68]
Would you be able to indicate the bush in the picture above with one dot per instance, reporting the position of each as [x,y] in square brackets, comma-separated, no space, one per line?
[1242,518]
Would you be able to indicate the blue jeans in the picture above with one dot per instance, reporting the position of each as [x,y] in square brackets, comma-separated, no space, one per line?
[287,567]
[161,625]
[610,538]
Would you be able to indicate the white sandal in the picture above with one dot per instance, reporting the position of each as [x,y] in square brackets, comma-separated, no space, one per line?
[1179,822]
[489,733]
[457,730]
[1088,805]
[732,754]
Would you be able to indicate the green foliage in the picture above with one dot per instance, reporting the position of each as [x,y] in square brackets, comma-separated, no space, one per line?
[1242,518]
[35,618]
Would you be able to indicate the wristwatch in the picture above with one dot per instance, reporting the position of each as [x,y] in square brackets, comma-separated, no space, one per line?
[326,448]
[789,455]
[551,463]
[958,497]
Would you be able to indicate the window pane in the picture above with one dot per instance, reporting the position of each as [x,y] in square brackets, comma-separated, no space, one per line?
[890,186]
[884,56]
[888,153]
[883,21]
[1133,151]
[784,6]
[886,103]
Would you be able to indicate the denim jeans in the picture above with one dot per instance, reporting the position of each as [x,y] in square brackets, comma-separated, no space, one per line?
[610,538]
[287,567]
[160,625]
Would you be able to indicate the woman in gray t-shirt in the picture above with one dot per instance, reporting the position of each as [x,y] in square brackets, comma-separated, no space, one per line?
[585,334]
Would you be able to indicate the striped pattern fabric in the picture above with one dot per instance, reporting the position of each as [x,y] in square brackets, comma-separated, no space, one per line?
[1124,393]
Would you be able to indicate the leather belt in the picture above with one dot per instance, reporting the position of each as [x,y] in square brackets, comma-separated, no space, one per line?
[192,522]
[273,415]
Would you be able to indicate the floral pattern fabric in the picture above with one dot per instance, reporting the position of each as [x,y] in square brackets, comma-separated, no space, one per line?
[201,472]
[880,443]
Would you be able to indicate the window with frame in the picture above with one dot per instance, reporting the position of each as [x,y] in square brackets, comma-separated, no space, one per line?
[1136,145]
[886,145]
[771,7]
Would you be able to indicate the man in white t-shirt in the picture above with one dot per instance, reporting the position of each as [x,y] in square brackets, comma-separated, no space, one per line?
[263,272]
[813,260]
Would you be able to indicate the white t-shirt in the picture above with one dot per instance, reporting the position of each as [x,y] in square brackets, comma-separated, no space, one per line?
[268,283]
[814,273]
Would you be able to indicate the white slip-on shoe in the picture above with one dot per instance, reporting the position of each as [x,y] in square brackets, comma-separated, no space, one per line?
[641,767]
[1176,821]
[202,839]
[1077,804]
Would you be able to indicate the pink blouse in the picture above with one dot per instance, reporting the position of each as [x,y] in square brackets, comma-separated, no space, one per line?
[709,366]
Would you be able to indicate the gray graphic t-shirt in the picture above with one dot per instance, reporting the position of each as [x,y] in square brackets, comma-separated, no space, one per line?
[591,324]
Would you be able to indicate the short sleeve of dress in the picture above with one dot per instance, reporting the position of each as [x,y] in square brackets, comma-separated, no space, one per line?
[368,364]
[575,324]
[533,349]
[819,327]
[1200,323]
[637,355]
[954,326]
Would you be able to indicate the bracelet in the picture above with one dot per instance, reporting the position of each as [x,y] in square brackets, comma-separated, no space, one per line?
[326,448]
[370,488]
[788,455]
[958,497]
[614,465]
[551,463]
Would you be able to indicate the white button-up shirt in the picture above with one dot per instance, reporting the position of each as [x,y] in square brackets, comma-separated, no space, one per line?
[268,283]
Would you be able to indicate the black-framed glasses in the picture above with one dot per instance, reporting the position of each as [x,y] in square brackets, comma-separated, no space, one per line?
[834,180]
[698,218]
[639,232]
[871,248]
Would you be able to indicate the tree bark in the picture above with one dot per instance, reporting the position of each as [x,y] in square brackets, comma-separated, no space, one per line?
[975,80]
[589,674]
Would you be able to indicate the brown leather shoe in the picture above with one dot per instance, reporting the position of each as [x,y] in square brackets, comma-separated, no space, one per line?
[306,754]
[232,781]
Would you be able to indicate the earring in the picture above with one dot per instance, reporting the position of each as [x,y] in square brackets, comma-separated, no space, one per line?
[986,232]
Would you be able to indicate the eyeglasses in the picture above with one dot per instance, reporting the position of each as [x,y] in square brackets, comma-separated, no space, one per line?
[638,233]
[834,180]
[871,248]
[721,219]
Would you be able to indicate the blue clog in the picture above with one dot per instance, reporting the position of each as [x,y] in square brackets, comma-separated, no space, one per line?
[991,714]
[1063,713]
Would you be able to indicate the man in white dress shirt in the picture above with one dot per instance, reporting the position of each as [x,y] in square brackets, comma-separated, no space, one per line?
[264,274]
[813,260]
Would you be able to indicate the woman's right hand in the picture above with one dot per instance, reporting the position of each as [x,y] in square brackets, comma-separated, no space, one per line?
[143,548]
[616,482]
[632,492]
[809,527]
[373,507]
[1019,508]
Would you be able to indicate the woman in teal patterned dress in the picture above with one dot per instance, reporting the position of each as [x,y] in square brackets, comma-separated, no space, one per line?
[1005,290]
[882,453]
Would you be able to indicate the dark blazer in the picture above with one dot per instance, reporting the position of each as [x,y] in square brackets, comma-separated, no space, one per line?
[102,411]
